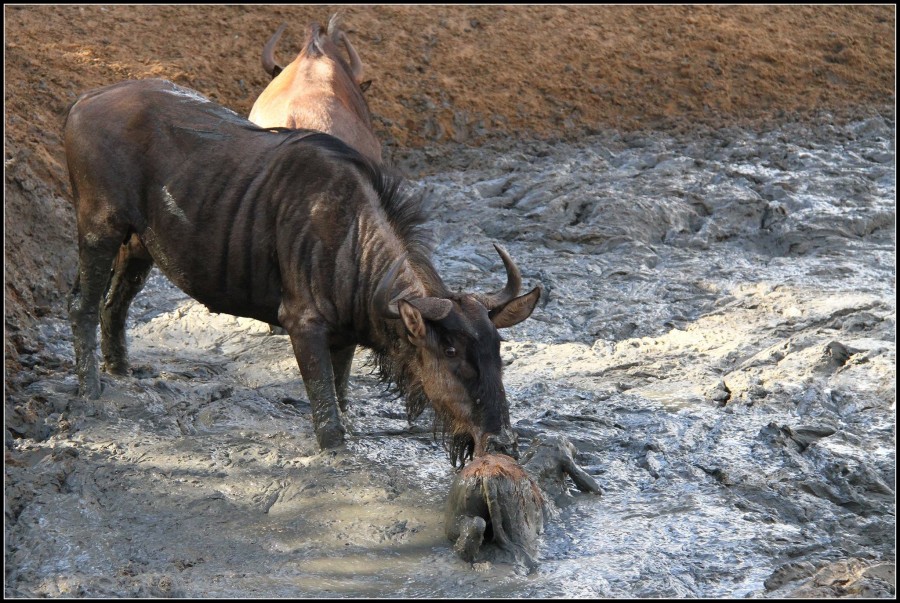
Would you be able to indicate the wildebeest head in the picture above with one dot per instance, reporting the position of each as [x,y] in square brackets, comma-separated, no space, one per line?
[320,42]
[319,90]
[454,359]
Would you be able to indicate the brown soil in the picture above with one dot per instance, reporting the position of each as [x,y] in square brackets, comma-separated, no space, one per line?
[441,74]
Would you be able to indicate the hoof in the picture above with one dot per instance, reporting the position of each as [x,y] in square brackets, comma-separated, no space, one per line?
[118,368]
[91,389]
[330,436]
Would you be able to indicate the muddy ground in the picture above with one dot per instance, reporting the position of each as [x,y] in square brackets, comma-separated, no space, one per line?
[707,195]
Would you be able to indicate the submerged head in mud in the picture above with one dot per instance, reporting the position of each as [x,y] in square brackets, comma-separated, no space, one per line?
[448,355]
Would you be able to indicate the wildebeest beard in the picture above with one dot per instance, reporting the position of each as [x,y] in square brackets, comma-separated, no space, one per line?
[394,372]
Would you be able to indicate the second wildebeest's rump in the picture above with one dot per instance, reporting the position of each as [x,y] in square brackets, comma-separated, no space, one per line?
[496,500]
[290,227]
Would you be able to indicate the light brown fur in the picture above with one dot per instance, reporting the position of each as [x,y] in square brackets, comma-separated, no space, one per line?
[321,91]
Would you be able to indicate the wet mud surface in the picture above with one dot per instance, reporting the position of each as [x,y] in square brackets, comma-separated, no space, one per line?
[716,337]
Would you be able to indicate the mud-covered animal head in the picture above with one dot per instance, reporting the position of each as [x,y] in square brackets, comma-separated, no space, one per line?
[549,460]
[454,359]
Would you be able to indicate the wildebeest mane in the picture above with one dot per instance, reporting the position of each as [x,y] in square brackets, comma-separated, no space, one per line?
[314,45]
[403,208]
[402,205]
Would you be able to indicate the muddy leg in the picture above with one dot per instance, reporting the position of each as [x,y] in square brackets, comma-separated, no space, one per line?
[341,361]
[471,535]
[132,267]
[310,341]
[94,263]
[515,519]
[583,480]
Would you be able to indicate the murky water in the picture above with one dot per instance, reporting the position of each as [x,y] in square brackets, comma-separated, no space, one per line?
[716,336]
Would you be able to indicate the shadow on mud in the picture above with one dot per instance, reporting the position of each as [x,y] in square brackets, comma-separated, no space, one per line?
[717,338]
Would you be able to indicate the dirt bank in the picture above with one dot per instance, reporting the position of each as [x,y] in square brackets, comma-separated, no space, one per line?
[441,74]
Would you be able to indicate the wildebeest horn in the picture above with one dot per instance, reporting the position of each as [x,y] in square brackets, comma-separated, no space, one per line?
[356,66]
[513,282]
[385,288]
[334,32]
[268,55]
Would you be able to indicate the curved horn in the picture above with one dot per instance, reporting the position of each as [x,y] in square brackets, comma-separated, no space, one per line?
[268,55]
[383,292]
[338,36]
[513,282]
[356,66]
[334,24]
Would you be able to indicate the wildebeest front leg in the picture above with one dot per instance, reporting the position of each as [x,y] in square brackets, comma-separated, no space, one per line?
[310,342]
[94,263]
[341,361]
[133,264]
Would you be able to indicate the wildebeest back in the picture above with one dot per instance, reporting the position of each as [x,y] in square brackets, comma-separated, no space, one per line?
[248,205]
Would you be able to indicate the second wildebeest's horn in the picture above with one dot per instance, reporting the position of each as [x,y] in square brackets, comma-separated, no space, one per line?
[513,282]
[268,55]
[338,36]
[356,66]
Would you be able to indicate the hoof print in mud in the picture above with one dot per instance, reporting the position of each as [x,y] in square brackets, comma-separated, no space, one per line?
[495,500]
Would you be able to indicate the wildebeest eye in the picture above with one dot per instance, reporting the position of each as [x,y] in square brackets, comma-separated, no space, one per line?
[450,352]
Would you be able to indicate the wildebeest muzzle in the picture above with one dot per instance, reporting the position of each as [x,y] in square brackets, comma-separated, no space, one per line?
[506,442]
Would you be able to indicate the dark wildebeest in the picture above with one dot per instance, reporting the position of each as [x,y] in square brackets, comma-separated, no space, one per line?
[290,227]
[318,90]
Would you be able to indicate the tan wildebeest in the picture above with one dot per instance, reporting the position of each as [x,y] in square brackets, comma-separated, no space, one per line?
[319,90]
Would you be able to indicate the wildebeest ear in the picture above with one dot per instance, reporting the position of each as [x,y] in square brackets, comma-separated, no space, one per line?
[433,308]
[365,85]
[516,310]
[413,321]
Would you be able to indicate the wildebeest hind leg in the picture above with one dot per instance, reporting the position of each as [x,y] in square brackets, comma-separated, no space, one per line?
[132,266]
[95,260]
[471,535]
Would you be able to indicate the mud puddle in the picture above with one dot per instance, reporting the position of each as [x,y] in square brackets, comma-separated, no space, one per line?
[717,337]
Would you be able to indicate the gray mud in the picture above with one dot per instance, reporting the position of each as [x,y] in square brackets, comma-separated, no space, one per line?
[716,336]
